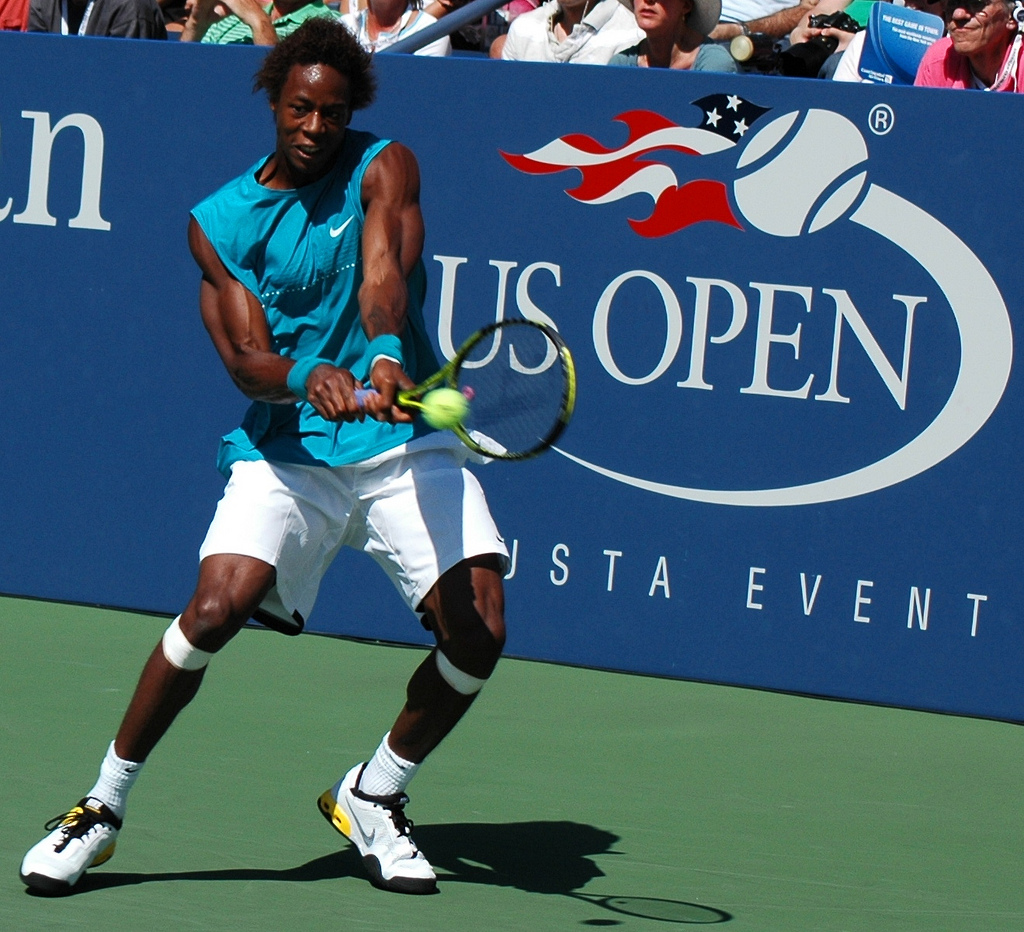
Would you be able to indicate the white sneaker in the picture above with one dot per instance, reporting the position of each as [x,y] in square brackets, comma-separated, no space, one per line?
[82,838]
[379,829]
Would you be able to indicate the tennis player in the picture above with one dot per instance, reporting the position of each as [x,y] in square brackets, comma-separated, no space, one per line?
[312,286]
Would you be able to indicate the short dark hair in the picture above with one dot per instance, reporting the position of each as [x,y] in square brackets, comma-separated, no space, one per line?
[320,40]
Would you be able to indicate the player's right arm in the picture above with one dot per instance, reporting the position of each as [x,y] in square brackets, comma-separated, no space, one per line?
[234,318]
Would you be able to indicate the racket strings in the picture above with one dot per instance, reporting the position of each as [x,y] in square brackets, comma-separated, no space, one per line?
[517,392]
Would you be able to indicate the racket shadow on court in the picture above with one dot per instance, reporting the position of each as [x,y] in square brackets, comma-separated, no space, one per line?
[553,858]
[549,858]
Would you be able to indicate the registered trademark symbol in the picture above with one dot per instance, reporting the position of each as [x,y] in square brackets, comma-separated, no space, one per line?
[881,119]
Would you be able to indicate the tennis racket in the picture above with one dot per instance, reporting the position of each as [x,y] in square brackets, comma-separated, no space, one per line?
[520,381]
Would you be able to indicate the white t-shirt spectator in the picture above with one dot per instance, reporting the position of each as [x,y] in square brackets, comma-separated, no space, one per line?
[607,29]
[412,21]
[848,68]
[744,11]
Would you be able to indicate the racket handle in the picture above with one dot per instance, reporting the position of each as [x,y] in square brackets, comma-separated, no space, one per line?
[362,394]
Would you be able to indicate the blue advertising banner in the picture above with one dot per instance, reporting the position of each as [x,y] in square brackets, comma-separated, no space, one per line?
[794,459]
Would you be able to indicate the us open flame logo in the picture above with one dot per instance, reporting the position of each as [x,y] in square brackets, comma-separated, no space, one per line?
[613,174]
[794,176]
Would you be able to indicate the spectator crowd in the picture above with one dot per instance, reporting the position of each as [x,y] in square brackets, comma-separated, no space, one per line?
[973,44]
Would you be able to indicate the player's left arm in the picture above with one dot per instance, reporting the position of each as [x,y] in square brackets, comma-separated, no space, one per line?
[392,245]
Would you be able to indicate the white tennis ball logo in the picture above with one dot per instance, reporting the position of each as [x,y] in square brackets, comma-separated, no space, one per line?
[805,185]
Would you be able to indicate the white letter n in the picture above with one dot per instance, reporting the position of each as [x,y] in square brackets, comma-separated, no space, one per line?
[36,211]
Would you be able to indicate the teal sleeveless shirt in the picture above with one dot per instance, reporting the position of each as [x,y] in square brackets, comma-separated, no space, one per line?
[299,252]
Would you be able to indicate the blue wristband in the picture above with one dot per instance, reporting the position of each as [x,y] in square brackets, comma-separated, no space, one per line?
[386,344]
[299,373]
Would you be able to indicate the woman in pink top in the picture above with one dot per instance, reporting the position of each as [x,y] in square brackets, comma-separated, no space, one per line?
[982,48]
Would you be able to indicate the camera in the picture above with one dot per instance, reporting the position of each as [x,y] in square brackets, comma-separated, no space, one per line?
[804,60]
[756,52]
[838,20]
[767,55]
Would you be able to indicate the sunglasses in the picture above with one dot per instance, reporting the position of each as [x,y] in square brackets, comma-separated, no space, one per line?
[974,7]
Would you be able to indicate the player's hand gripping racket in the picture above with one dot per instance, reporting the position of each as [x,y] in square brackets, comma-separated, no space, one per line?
[519,384]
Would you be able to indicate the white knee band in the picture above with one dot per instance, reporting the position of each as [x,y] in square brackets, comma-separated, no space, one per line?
[180,652]
[458,680]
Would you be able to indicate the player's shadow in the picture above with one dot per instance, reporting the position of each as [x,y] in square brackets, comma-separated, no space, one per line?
[547,858]
[539,857]
[553,858]
[329,867]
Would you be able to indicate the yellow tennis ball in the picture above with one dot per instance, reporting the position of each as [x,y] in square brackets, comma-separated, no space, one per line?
[444,407]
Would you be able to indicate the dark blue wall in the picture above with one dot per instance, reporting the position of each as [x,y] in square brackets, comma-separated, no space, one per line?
[823,514]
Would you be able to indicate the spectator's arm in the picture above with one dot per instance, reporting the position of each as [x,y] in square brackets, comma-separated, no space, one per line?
[802,32]
[204,14]
[200,19]
[439,8]
[777,24]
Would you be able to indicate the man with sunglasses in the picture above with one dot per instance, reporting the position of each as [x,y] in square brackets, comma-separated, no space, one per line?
[982,48]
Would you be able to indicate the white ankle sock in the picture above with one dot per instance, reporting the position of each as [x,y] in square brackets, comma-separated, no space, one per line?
[117,776]
[386,774]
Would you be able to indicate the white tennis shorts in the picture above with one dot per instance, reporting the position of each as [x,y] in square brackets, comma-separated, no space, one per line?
[417,513]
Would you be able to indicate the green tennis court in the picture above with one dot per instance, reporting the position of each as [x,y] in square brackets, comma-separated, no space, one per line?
[567,799]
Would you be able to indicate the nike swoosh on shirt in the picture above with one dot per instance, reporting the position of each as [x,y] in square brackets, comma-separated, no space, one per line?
[337,231]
